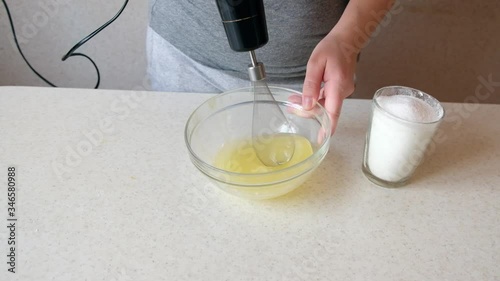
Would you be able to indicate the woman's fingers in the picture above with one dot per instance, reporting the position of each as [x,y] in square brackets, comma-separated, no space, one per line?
[312,81]
[335,93]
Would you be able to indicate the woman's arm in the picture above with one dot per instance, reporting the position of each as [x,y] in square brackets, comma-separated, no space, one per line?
[333,61]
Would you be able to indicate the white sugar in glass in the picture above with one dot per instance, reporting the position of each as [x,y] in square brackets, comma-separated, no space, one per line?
[403,123]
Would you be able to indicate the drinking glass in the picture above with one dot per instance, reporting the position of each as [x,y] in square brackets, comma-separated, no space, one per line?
[403,122]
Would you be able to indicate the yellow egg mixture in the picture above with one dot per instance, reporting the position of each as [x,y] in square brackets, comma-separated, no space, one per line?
[239,156]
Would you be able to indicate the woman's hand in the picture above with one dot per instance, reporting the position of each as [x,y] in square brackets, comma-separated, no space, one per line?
[330,70]
[329,76]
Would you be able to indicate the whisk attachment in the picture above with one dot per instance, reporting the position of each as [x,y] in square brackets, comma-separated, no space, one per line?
[271,131]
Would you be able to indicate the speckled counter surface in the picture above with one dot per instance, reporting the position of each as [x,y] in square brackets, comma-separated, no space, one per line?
[106,191]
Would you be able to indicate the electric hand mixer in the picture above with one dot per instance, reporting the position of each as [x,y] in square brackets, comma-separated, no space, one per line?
[246,29]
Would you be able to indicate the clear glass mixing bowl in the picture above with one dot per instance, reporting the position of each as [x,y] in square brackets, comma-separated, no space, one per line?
[228,117]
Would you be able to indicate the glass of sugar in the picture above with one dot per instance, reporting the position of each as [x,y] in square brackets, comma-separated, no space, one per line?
[403,122]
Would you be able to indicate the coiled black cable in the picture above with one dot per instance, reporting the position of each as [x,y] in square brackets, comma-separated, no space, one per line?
[71,52]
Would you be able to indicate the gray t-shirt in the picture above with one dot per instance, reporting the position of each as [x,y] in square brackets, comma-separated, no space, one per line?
[295,27]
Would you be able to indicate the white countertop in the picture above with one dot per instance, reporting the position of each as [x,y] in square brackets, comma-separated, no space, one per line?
[130,206]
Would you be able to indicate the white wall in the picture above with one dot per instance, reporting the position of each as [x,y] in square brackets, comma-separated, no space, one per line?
[441,47]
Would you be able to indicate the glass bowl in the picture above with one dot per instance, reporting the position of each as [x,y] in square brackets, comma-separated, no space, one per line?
[227,117]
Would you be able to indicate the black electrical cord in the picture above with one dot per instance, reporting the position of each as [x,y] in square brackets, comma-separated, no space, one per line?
[71,53]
